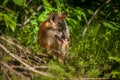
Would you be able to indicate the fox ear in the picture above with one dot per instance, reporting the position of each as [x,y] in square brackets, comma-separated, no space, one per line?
[63,15]
[54,17]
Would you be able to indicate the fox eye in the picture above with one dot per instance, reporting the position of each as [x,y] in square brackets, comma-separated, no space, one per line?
[60,30]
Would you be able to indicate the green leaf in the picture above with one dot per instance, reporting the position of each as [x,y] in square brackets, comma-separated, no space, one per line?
[42,17]
[110,25]
[115,73]
[4,3]
[70,20]
[1,16]
[58,3]
[46,3]
[20,2]
[84,15]
[10,22]
[90,11]
[115,58]
[47,6]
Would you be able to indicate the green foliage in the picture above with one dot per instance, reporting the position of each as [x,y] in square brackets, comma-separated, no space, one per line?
[58,71]
[116,72]
[115,58]
[20,2]
[42,16]
[91,56]
[9,19]
[4,2]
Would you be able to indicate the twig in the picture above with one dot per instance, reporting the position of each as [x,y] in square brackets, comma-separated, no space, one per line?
[29,2]
[10,69]
[26,65]
[95,13]
[41,67]
[36,67]
[39,7]
[38,59]
[28,19]
[7,75]
[11,42]
[28,75]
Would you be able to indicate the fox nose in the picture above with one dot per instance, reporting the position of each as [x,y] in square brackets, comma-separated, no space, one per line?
[63,36]
[68,39]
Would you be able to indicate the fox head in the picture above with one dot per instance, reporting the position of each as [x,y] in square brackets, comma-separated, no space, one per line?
[60,30]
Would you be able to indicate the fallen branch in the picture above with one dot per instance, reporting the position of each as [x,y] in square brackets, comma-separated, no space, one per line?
[24,53]
[13,43]
[95,13]
[35,67]
[26,65]
[11,69]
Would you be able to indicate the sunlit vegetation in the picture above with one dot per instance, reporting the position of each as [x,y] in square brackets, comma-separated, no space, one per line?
[94,53]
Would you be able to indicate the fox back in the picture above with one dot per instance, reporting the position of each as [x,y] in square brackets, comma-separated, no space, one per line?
[53,34]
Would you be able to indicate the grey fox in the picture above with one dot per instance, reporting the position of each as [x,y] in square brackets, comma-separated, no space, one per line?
[54,36]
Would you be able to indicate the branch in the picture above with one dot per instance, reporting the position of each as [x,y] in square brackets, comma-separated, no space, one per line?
[26,65]
[13,43]
[95,13]
[10,69]
[35,67]
[38,59]
[29,2]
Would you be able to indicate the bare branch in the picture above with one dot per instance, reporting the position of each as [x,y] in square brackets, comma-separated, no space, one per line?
[95,13]
[10,69]
[7,75]
[29,2]
[39,7]
[24,52]
[35,67]
[26,65]
[11,42]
